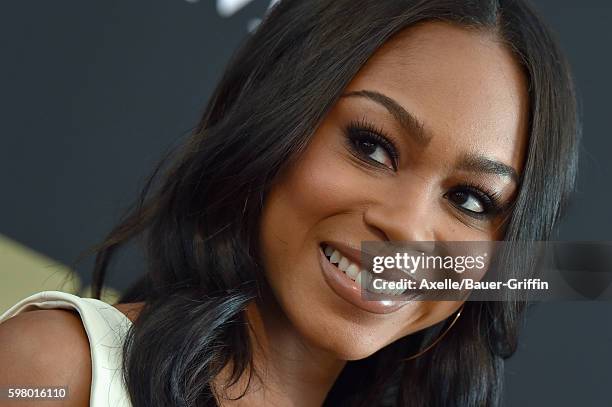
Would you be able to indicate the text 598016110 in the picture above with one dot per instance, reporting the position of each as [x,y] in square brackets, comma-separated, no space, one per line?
[34,393]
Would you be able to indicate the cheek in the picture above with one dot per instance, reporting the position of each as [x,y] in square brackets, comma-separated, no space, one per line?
[323,182]
[300,198]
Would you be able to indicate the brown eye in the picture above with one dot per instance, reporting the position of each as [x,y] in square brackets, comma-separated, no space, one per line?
[467,201]
[374,151]
[472,199]
[367,147]
[371,144]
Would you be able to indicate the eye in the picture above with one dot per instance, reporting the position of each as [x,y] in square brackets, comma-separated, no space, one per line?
[371,144]
[474,200]
[467,201]
[374,151]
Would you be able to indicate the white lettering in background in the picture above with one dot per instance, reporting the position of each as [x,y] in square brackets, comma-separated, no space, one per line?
[227,8]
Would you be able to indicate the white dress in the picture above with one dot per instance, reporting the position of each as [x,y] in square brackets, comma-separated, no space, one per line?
[106,329]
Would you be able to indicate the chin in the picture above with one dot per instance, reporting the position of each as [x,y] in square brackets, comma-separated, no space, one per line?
[356,351]
[345,340]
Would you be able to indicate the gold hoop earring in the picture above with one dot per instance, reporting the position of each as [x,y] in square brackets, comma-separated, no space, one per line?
[434,343]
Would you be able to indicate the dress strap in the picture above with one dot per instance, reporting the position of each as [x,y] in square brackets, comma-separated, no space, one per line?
[106,329]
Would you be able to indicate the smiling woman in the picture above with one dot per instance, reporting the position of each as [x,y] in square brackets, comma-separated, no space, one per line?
[391,162]
[339,122]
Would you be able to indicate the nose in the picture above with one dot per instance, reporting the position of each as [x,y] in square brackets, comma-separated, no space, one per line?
[405,216]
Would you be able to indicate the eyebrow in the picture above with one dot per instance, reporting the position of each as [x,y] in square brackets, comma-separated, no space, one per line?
[416,130]
[413,127]
[479,163]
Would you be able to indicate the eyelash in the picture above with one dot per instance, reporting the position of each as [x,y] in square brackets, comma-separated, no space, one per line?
[363,130]
[491,201]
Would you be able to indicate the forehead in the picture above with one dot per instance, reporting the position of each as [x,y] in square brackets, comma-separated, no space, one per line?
[464,85]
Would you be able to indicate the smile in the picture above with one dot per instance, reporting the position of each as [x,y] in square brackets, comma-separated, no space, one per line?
[343,273]
[358,274]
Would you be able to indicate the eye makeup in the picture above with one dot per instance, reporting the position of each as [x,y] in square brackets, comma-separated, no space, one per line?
[373,146]
[363,137]
[490,200]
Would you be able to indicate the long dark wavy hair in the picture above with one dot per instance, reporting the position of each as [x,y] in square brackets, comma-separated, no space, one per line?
[198,214]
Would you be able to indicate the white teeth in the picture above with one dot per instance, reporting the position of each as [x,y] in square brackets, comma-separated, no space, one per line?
[352,271]
[344,264]
[335,257]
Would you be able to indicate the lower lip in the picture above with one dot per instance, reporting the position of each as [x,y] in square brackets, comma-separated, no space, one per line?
[350,291]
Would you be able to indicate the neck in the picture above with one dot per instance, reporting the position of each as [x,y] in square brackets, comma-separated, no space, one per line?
[286,370]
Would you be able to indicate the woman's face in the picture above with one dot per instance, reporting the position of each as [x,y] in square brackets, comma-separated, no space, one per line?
[436,108]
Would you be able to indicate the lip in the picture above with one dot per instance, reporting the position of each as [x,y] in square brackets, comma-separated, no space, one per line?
[348,289]
[360,257]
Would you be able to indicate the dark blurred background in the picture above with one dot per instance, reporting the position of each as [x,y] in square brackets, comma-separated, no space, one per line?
[92,94]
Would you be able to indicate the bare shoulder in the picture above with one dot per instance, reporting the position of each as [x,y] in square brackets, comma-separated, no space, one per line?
[46,348]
